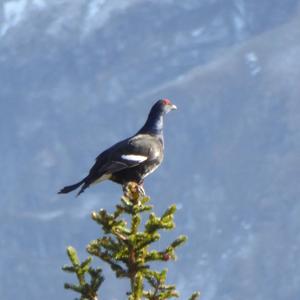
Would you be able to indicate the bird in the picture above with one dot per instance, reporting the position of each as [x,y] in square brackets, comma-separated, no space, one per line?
[131,159]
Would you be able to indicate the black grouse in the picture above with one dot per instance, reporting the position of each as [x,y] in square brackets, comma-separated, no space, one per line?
[131,159]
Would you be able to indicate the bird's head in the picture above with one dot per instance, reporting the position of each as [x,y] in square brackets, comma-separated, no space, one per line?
[163,106]
[154,123]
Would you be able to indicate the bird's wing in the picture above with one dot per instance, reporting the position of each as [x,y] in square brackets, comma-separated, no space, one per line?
[124,162]
[125,154]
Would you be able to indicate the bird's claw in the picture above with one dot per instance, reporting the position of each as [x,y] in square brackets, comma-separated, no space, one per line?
[141,190]
[133,191]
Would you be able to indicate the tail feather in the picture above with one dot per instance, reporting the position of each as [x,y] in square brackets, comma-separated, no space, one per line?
[70,188]
[89,180]
[86,185]
[85,182]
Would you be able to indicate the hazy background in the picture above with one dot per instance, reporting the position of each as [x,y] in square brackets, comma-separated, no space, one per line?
[77,76]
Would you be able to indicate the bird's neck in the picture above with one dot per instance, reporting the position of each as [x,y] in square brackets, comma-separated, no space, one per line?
[153,125]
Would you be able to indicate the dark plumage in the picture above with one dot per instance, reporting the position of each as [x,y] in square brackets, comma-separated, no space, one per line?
[131,159]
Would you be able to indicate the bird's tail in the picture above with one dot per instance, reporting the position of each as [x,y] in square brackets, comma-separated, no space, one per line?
[70,188]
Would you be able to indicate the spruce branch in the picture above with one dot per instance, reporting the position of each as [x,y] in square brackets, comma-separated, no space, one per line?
[87,290]
[125,248]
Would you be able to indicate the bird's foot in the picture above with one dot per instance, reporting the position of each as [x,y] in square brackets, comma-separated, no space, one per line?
[133,191]
[141,191]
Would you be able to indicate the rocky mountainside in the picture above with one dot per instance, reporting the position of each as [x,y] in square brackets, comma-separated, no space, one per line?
[77,76]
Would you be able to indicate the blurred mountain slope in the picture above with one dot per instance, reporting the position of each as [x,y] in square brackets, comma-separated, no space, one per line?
[77,77]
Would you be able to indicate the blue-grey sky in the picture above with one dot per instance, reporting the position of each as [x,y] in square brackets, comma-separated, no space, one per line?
[78,76]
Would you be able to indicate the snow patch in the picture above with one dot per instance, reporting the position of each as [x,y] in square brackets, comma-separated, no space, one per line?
[253,63]
[197,32]
[40,4]
[46,159]
[90,203]
[45,216]
[14,12]
[100,11]
[179,205]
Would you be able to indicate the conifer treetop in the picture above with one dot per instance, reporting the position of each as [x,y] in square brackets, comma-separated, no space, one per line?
[125,247]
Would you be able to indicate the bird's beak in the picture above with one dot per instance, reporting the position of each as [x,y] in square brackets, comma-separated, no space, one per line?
[173,107]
